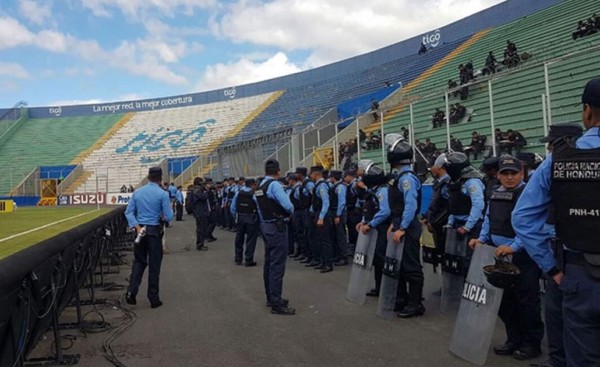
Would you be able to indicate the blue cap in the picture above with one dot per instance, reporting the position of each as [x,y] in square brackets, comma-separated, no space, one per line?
[591,93]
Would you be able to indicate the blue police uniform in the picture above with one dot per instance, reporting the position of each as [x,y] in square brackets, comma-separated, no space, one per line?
[405,199]
[147,207]
[338,210]
[179,205]
[353,212]
[580,305]
[310,236]
[273,205]
[320,210]
[244,207]
[377,201]
[474,189]
[520,309]
[172,191]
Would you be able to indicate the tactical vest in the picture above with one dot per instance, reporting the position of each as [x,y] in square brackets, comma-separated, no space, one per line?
[230,193]
[333,198]
[305,195]
[351,198]
[396,197]
[245,204]
[371,205]
[269,208]
[575,195]
[293,199]
[502,204]
[212,198]
[317,202]
[438,209]
[459,203]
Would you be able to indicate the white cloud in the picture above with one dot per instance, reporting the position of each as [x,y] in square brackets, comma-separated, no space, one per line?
[246,70]
[144,57]
[134,8]
[335,29]
[36,11]
[14,70]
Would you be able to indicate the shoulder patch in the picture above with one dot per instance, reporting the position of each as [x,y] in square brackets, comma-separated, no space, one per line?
[406,185]
[380,196]
[472,189]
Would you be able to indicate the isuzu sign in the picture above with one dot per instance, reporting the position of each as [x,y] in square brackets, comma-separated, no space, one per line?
[86,199]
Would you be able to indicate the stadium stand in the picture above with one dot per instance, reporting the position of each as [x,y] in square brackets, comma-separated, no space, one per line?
[48,142]
[516,94]
[150,137]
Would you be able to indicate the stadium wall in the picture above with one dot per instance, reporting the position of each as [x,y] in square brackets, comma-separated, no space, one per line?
[500,14]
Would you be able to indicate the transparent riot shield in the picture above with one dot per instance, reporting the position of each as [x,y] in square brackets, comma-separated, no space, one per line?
[453,266]
[389,281]
[362,262]
[479,306]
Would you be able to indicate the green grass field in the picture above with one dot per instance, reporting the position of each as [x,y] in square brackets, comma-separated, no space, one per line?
[25,219]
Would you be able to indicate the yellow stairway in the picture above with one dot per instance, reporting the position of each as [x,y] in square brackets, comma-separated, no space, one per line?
[426,74]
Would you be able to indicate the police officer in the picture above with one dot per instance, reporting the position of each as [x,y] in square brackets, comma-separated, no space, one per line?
[438,212]
[376,215]
[354,213]
[233,189]
[337,209]
[244,207]
[304,195]
[147,207]
[568,180]
[490,179]
[404,196]
[297,223]
[179,204]
[214,207]
[199,203]
[274,207]
[520,309]
[188,207]
[553,298]
[323,222]
[465,195]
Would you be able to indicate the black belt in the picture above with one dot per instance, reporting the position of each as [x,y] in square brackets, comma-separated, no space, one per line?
[150,225]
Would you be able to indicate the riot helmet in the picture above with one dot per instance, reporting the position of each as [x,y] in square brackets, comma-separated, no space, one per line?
[373,175]
[399,151]
[502,274]
[456,162]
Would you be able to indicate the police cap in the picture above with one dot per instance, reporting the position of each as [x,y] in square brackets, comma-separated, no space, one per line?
[591,93]
[316,169]
[242,178]
[509,163]
[490,163]
[155,172]
[336,174]
[350,172]
[301,170]
[568,129]
[527,157]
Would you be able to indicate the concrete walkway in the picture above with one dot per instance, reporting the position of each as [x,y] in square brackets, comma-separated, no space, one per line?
[214,314]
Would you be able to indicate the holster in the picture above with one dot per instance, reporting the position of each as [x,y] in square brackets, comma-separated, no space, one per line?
[280,223]
[559,253]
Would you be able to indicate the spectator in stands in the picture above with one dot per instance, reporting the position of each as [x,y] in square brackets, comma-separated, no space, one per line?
[511,57]
[490,64]
[405,133]
[457,113]
[123,189]
[438,118]
[130,189]
[580,31]
[375,109]
[477,145]
[361,135]
[464,79]
[455,144]
[514,140]
[451,85]
[469,70]
[423,49]
[428,148]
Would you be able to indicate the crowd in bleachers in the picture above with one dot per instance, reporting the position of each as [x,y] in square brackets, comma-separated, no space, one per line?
[586,28]
[458,112]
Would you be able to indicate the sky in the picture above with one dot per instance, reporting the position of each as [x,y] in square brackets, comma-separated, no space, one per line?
[62,52]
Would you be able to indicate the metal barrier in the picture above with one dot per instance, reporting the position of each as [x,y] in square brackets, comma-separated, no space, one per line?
[38,283]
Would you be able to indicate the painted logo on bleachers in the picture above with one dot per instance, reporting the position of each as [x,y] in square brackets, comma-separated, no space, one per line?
[231,92]
[164,138]
[432,39]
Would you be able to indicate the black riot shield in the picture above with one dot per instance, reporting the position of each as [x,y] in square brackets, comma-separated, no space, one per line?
[389,281]
[453,266]
[362,262]
[479,306]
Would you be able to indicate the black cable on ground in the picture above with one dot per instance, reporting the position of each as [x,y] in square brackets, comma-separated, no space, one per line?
[128,320]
